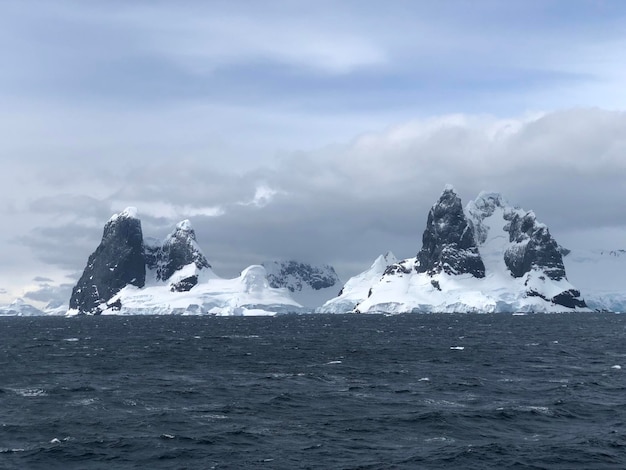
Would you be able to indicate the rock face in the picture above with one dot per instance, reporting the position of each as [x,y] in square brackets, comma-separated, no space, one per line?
[448,243]
[179,249]
[118,261]
[297,276]
[532,247]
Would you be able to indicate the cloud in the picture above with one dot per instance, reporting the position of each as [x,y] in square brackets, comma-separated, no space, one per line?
[65,246]
[165,210]
[51,294]
[345,204]
[263,195]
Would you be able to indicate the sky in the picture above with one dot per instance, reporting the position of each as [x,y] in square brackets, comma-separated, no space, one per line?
[285,129]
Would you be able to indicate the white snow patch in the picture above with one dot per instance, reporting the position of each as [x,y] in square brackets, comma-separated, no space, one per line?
[128,213]
[246,295]
[357,288]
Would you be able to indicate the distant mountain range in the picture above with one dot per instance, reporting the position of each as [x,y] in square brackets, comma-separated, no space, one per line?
[488,256]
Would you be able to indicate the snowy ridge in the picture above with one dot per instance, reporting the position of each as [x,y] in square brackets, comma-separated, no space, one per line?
[309,285]
[20,308]
[358,287]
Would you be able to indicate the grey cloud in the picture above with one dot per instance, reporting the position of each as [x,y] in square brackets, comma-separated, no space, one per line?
[41,279]
[345,204]
[71,204]
[65,246]
[50,294]
[359,200]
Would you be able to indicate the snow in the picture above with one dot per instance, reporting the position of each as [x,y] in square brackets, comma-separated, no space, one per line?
[184,225]
[357,288]
[248,294]
[128,213]
[21,309]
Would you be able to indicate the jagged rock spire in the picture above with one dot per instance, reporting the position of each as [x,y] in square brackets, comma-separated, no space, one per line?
[448,242]
[118,261]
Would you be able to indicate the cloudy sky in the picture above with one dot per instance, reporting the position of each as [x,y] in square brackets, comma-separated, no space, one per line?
[321,131]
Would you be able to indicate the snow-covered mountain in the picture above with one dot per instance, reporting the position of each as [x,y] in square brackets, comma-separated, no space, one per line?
[488,257]
[600,276]
[165,261]
[357,288]
[309,285]
[126,275]
[20,308]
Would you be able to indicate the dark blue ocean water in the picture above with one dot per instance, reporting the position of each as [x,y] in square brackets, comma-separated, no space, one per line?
[317,391]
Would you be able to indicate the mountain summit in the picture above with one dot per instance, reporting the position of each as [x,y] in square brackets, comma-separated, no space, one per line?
[118,261]
[448,243]
[177,251]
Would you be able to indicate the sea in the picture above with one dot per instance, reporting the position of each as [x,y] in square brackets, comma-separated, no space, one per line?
[436,391]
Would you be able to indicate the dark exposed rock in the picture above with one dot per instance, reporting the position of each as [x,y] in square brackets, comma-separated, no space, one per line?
[569,298]
[118,261]
[184,285]
[533,247]
[448,242]
[397,268]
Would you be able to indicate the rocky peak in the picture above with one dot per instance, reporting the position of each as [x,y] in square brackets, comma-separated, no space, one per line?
[532,247]
[118,261]
[383,261]
[179,249]
[448,242]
